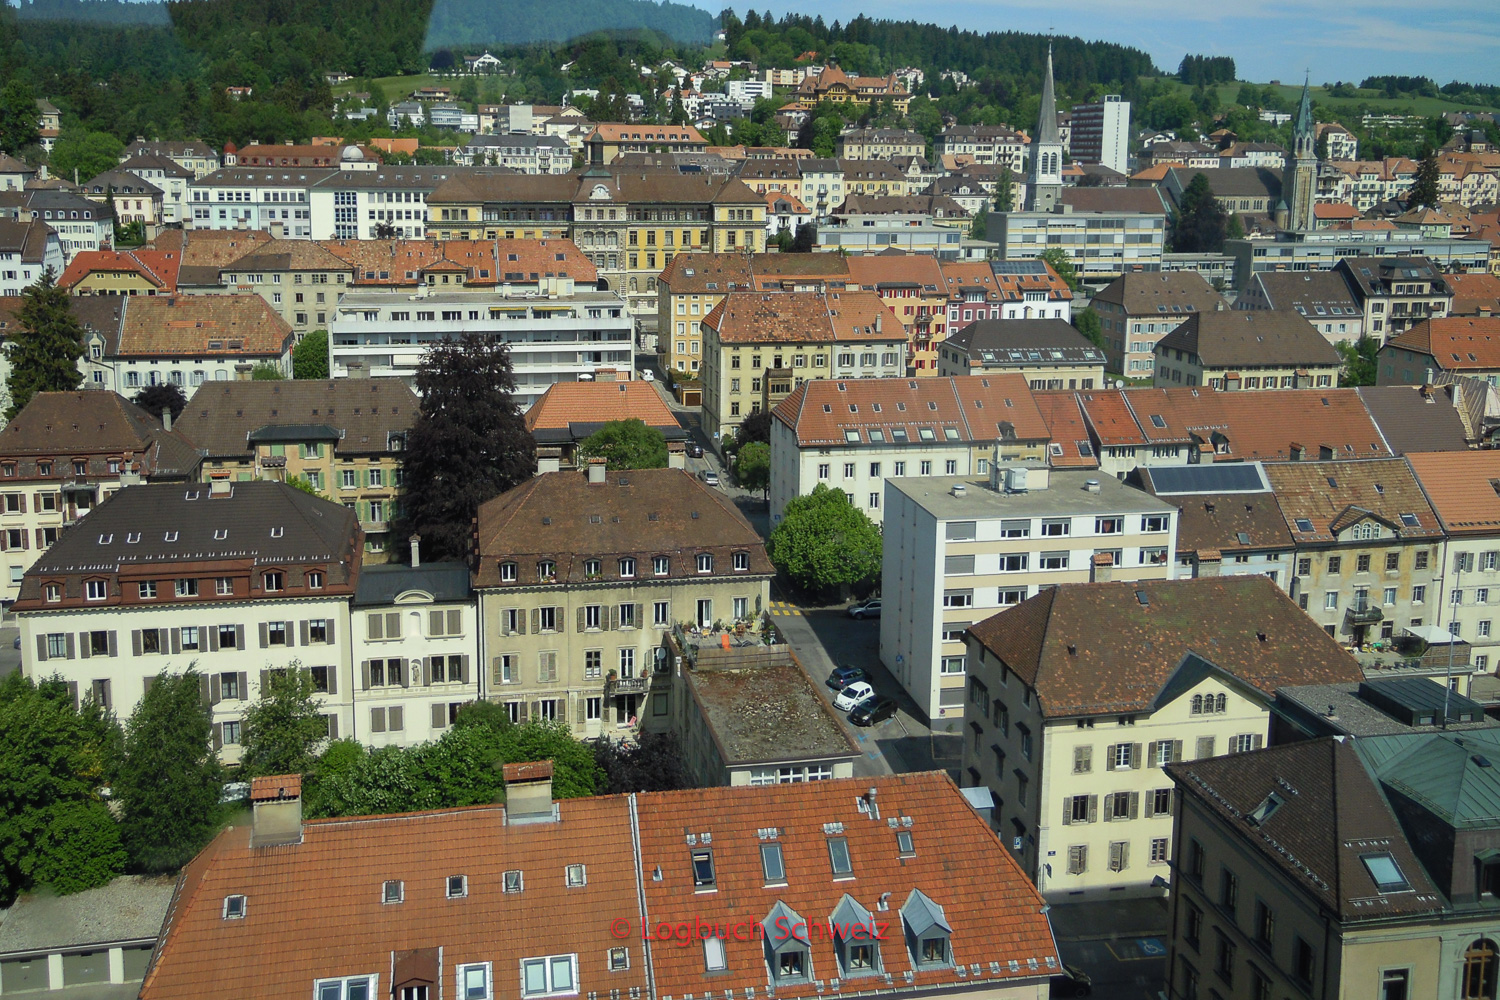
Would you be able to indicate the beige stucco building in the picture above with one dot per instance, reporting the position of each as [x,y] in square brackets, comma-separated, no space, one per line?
[1243,349]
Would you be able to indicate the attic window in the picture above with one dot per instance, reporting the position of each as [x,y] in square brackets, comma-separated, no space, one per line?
[1158,421]
[234,907]
[904,846]
[277,532]
[1333,483]
[852,436]
[838,857]
[703,869]
[512,881]
[1380,489]
[1303,524]
[393,891]
[1410,521]
[458,886]
[827,408]
[574,876]
[1386,873]
[1262,812]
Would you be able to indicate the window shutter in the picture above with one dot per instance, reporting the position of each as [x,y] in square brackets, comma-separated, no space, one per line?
[405,667]
[1255,742]
[333,680]
[244,679]
[218,736]
[73,693]
[521,707]
[239,637]
[291,639]
[1135,756]
[302,627]
[265,631]
[614,617]
[1109,757]
[580,710]
[1176,750]
[374,627]
[1151,754]
[135,642]
[176,640]
[395,719]
[424,662]
[1135,804]
[146,685]
[536,619]
[464,668]
[41,648]
[333,727]
[582,612]
[114,649]
[1149,808]
[455,621]
[434,622]
[206,689]
[521,622]
[328,624]
[212,632]
[640,616]
[364,675]
[439,715]
[536,709]
[377,720]
[265,682]
[22,498]
[1068,811]
[1093,808]
[69,640]
[84,646]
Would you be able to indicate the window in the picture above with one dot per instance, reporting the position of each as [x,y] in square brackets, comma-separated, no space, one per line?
[1418,595]
[1160,854]
[146,590]
[547,619]
[705,562]
[1395,984]
[1081,809]
[1109,525]
[95,590]
[574,876]
[550,976]
[627,568]
[1122,756]
[952,665]
[223,586]
[1229,889]
[838,856]
[1331,601]
[512,881]
[703,868]
[1302,966]
[713,955]
[352,988]
[660,565]
[1224,963]
[772,865]
[1083,760]
[234,907]
[1265,924]
[1335,564]
[1384,871]
[474,981]
[392,891]
[661,614]
[507,572]
[1078,859]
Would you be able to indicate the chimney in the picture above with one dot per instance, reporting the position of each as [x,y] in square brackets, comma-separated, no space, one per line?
[276,810]
[166,418]
[1092,485]
[1102,569]
[242,373]
[357,369]
[416,550]
[528,793]
[597,468]
[1296,452]
[220,486]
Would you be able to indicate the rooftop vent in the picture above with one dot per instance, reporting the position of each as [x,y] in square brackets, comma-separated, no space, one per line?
[959,489]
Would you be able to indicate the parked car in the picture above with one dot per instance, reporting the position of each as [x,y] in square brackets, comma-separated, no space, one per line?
[853,694]
[845,675]
[1073,982]
[865,609]
[710,477]
[867,713]
[694,449]
[647,375]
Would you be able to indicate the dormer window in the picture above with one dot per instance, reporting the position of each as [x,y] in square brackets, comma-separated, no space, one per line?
[592,567]
[854,939]
[546,571]
[234,907]
[273,581]
[95,590]
[627,568]
[660,565]
[927,931]
[742,562]
[52,592]
[787,951]
[392,891]
[507,572]
[705,562]
[314,580]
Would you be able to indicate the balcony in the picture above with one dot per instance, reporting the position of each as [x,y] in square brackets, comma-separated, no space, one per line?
[626,685]
[1363,612]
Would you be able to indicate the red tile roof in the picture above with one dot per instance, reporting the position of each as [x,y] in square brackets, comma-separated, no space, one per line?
[877,271]
[566,403]
[1070,447]
[1319,500]
[221,325]
[822,412]
[159,267]
[1455,343]
[803,318]
[1460,486]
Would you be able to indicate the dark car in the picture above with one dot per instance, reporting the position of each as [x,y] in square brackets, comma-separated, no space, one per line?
[867,713]
[845,675]
[865,609]
[694,449]
[1073,982]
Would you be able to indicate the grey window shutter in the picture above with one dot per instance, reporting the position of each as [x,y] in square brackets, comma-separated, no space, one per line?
[1151,753]
[536,709]
[521,709]
[1135,804]
[582,612]
[640,616]
[85,648]
[73,693]
[425,665]
[302,628]
[405,668]
[244,680]
[1093,808]
[464,668]
[333,727]
[146,685]
[41,647]
[395,720]
[239,637]
[135,641]
[1255,742]
[377,720]
[218,736]
[521,622]
[434,622]
[114,649]
[206,686]
[1149,807]
[1135,756]
[265,635]
[333,680]
[439,715]
[614,617]
[364,675]
[70,645]
[213,638]
[455,622]
[291,639]
[176,640]
[1068,811]
[265,682]
[329,624]
[580,714]
[536,619]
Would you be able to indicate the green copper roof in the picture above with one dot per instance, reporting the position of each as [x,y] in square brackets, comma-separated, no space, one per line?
[1456,777]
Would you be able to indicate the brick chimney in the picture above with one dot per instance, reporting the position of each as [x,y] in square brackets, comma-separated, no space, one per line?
[1102,568]
[528,793]
[597,469]
[276,810]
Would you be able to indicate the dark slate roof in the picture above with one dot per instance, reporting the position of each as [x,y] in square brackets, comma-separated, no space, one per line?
[1006,342]
[1229,338]
[1108,200]
[1124,651]
[1234,182]
[223,417]
[1331,813]
[1415,418]
[62,425]
[1229,523]
[446,582]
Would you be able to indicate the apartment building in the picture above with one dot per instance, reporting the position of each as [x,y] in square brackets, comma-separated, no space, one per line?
[1138,310]
[1228,522]
[1338,867]
[1232,349]
[1368,546]
[133,198]
[1004,290]
[28,250]
[853,435]
[758,345]
[990,144]
[879,143]
[239,578]
[80,224]
[1396,293]
[569,413]
[1325,249]
[959,548]
[1450,345]
[526,154]
[369,204]
[199,157]
[274,200]
[299,279]
[168,176]
[343,437]
[778,885]
[1106,232]
[1049,353]
[913,287]
[614,139]
[66,452]
[580,574]
[1101,133]
[184,340]
[1458,485]
[1322,298]
[1079,697]
[832,84]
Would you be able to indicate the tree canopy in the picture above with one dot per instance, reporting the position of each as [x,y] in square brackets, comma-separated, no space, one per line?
[161,398]
[826,544]
[45,346]
[310,356]
[85,156]
[626,444]
[18,117]
[267,372]
[1359,361]
[284,727]
[468,444]
[752,466]
[1201,223]
[1060,262]
[1424,188]
[652,765]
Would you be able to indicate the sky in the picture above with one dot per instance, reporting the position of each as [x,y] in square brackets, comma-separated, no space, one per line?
[1268,39]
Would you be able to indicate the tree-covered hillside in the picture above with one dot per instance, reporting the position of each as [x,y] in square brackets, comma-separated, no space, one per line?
[478,23]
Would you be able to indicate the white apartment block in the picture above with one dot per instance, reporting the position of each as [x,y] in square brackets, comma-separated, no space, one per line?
[959,549]
[553,337]
[1101,133]
[274,199]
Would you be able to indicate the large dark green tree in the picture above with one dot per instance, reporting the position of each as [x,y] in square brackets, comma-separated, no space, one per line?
[653,765]
[55,828]
[1060,262]
[310,356]
[626,444]
[468,444]
[752,466]
[158,399]
[1088,323]
[1360,366]
[285,726]
[1424,188]
[46,345]
[85,155]
[1201,223]
[170,780]
[825,544]
[19,117]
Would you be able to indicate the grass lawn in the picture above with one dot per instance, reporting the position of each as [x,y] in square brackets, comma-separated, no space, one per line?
[1291,94]
[399,88]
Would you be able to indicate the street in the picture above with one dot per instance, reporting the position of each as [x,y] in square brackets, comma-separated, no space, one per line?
[1121,944]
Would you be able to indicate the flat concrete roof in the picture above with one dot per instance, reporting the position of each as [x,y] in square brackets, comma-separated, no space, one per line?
[131,908]
[1065,494]
[1356,716]
[768,714]
[488,296]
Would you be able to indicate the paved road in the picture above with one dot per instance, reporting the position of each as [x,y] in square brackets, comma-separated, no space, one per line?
[1121,944]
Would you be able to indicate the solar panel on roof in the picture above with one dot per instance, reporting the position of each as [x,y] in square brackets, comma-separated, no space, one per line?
[1218,478]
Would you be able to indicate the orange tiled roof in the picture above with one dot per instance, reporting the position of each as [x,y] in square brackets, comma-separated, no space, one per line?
[566,403]
[1474,292]
[822,412]
[487,262]
[873,271]
[1460,486]
[1334,210]
[1321,499]
[219,325]
[619,132]
[802,317]
[1070,447]
[1455,343]
[159,267]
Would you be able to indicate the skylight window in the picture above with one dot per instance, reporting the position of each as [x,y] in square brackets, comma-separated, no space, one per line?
[1303,524]
[1386,873]
[1409,520]
[838,856]
[234,907]
[512,881]
[1265,810]
[392,891]
[458,886]
[772,864]
[1157,420]
[904,845]
[703,869]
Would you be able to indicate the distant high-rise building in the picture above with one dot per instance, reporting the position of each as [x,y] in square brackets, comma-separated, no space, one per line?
[1101,132]
[1044,187]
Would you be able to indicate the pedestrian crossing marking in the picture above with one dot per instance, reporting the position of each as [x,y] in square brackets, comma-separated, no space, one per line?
[785,608]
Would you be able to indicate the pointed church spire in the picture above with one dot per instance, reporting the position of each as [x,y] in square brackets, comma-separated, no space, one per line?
[1046,124]
[1304,124]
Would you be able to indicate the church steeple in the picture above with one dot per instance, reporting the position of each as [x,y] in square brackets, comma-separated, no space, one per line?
[1044,179]
[1299,176]
[1305,131]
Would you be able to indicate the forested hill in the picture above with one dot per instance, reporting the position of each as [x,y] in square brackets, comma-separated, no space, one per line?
[477,23]
[117,12]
